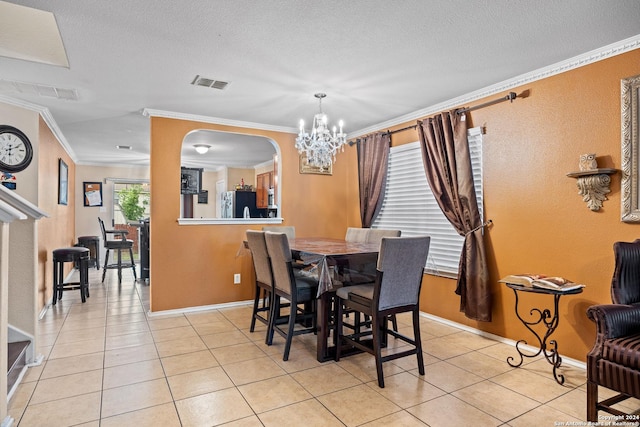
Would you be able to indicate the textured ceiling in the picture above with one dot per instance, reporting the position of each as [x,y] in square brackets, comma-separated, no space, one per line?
[375,59]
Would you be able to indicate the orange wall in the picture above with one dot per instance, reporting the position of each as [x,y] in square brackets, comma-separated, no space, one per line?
[58,230]
[193,265]
[540,225]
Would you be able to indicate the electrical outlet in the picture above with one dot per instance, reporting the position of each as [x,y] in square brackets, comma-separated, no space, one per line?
[236,279]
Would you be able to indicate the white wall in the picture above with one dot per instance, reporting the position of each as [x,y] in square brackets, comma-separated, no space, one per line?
[206,210]
[87,216]
[23,237]
[28,122]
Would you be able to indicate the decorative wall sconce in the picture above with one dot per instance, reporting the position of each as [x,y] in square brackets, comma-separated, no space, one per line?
[593,182]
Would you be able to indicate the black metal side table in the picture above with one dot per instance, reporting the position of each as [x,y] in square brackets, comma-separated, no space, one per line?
[550,321]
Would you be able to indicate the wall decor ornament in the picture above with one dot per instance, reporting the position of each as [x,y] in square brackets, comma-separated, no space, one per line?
[593,182]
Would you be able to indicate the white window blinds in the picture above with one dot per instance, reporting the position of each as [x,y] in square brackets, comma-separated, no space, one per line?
[409,204]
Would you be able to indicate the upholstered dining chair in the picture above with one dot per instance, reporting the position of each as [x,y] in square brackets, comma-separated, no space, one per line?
[289,230]
[614,360]
[264,281]
[358,274]
[119,243]
[299,290]
[356,234]
[396,290]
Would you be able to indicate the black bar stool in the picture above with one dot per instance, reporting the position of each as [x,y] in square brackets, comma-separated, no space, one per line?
[121,243]
[93,244]
[79,256]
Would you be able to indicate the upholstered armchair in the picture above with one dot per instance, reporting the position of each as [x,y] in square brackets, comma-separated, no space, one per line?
[614,360]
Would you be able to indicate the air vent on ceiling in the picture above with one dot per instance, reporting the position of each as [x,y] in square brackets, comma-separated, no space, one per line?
[212,83]
[38,90]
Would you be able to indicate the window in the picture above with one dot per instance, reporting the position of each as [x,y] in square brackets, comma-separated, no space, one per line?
[409,204]
[143,201]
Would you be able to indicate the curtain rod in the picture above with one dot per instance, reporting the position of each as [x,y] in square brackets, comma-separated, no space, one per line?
[510,97]
[389,132]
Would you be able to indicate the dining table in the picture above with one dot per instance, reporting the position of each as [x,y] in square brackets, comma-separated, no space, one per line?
[327,260]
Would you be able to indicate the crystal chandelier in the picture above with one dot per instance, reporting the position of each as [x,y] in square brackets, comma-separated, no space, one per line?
[321,145]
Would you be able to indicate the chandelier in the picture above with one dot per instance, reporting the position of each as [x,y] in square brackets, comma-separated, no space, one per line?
[321,145]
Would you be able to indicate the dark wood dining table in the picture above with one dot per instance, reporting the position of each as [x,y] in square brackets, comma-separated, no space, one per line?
[328,256]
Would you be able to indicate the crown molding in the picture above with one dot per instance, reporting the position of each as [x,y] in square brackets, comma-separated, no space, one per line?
[148,112]
[591,57]
[48,119]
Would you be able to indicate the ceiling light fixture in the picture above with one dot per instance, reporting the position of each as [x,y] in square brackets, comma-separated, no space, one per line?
[320,146]
[202,148]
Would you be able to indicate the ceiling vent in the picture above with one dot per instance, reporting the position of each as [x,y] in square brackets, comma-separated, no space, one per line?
[38,90]
[212,83]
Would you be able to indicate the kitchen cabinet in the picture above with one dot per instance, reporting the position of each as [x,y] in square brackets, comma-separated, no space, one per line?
[264,181]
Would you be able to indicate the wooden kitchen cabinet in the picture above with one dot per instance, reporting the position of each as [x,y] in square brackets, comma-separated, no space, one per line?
[264,181]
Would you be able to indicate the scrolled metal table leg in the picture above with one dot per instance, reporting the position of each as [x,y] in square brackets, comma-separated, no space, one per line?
[551,323]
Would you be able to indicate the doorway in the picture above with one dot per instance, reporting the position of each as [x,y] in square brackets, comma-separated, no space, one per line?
[131,198]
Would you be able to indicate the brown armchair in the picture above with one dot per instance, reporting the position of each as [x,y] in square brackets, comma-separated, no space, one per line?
[614,360]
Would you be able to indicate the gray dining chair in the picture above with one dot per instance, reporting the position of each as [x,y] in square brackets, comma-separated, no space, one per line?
[289,230]
[362,273]
[356,234]
[396,290]
[359,273]
[264,281]
[299,290]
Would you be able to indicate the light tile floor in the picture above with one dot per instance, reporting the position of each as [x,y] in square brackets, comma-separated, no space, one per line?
[109,364]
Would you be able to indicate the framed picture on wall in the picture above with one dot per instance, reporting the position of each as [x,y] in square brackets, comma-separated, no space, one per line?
[630,182]
[305,167]
[92,193]
[63,182]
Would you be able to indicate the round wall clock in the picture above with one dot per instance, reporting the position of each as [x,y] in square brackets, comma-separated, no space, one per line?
[16,151]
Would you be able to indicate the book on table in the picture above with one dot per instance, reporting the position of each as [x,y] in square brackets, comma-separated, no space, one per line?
[554,283]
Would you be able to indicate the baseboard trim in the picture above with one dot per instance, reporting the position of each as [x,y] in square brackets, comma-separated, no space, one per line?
[197,309]
[566,360]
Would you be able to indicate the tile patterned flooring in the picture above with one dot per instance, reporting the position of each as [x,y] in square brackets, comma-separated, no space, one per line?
[109,364]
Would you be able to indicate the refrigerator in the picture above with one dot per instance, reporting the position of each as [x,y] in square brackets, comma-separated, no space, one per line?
[235,202]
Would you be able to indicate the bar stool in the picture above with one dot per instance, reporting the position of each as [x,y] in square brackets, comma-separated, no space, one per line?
[93,244]
[121,243]
[79,256]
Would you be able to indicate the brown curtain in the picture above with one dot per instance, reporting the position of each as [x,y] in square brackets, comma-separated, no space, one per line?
[373,156]
[447,163]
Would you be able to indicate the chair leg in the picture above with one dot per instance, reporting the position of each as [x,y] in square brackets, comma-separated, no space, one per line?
[273,315]
[104,268]
[55,283]
[592,401]
[418,340]
[133,264]
[256,302]
[84,282]
[394,322]
[119,266]
[338,328]
[376,329]
[60,287]
[292,325]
